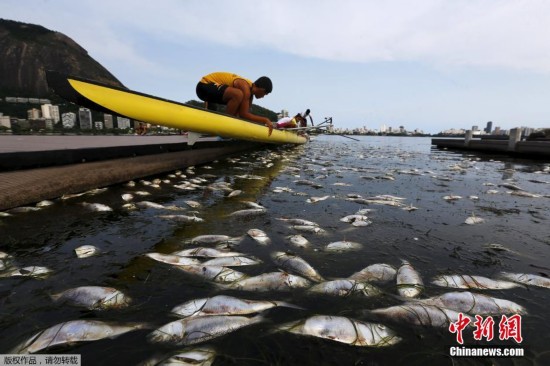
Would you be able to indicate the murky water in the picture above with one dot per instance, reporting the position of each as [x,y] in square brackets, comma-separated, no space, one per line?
[433,238]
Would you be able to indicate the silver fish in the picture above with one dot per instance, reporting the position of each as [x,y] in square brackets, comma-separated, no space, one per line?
[525,194]
[299,241]
[97,207]
[206,252]
[85,251]
[353,218]
[44,203]
[409,282]
[193,204]
[173,259]
[234,193]
[200,329]
[235,261]
[93,297]
[213,239]
[142,193]
[225,305]
[317,199]
[343,245]
[345,287]
[214,273]
[259,235]
[511,186]
[248,212]
[300,222]
[127,197]
[309,229]
[73,331]
[295,264]
[473,220]
[195,356]
[375,272]
[475,304]
[181,218]
[472,282]
[420,314]
[31,271]
[344,330]
[527,279]
[452,197]
[269,281]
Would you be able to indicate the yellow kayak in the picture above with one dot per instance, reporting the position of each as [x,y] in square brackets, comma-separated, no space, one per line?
[158,111]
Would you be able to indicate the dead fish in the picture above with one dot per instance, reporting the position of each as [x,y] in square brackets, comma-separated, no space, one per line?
[299,241]
[309,229]
[206,252]
[234,193]
[511,186]
[44,203]
[386,197]
[214,273]
[345,287]
[525,194]
[235,261]
[194,356]
[269,281]
[149,204]
[344,330]
[31,271]
[472,282]
[96,207]
[72,332]
[85,251]
[301,222]
[343,245]
[295,264]
[214,239]
[173,259]
[420,314]
[473,220]
[250,176]
[353,218]
[181,218]
[527,279]
[192,204]
[226,305]
[380,272]
[127,197]
[317,199]
[200,329]
[409,282]
[142,193]
[93,297]
[409,208]
[472,303]
[451,197]
[259,235]
[248,212]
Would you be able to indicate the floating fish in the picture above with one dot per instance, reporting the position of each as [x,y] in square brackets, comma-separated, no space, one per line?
[472,282]
[193,204]
[195,356]
[353,218]
[72,332]
[214,239]
[269,281]
[299,241]
[295,264]
[309,229]
[149,204]
[452,198]
[226,305]
[344,330]
[527,279]
[380,272]
[301,222]
[511,186]
[259,235]
[200,329]
[317,199]
[343,245]
[206,252]
[173,259]
[473,220]
[235,261]
[345,287]
[96,207]
[475,304]
[127,197]
[85,251]
[420,314]
[251,204]
[248,212]
[142,193]
[525,194]
[31,271]
[181,218]
[44,203]
[93,297]
[409,282]
[214,273]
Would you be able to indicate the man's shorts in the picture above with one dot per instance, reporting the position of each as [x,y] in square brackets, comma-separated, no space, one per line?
[211,92]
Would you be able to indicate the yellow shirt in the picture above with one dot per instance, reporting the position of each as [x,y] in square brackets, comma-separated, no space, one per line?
[223,78]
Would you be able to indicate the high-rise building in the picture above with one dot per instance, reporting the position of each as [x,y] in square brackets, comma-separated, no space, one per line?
[108,119]
[54,112]
[33,113]
[122,122]
[46,110]
[68,119]
[98,125]
[489,127]
[85,118]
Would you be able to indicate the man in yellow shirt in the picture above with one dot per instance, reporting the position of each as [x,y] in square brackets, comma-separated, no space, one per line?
[236,93]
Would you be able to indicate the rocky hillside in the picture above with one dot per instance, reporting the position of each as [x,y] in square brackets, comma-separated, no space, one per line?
[27,50]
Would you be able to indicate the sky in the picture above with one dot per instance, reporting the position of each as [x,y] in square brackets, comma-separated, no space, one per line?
[430,65]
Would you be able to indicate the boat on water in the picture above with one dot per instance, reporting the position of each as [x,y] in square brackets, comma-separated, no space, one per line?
[147,108]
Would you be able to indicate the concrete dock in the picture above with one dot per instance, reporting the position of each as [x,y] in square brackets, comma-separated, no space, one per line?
[513,146]
[36,168]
